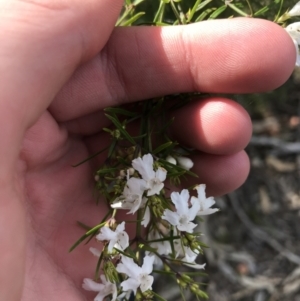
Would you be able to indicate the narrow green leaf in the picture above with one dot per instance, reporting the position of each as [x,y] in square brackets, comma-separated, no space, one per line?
[205,14]
[217,12]
[261,11]
[120,111]
[84,226]
[147,248]
[236,9]
[121,128]
[106,170]
[163,147]
[193,10]
[158,296]
[160,12]
[163,239]
[112,148]
[164,272]
[203,4]
[91,157]
[86,235]
[97,272]
[133,19]
[137,2]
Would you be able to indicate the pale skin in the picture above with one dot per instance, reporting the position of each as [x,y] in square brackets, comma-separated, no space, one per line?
[61,63]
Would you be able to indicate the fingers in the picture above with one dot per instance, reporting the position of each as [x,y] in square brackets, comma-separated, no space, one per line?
[219,129]
[240,55]
[221,174]
[216,126]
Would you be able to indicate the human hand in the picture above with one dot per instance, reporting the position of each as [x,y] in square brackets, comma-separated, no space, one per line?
[61,63]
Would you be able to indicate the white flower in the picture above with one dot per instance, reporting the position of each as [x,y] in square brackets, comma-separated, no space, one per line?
[205,203]
[184,215]
[294,31]
[295,11]
[154,179]
[104,289]
[118,238]
[132,196]
[137,276]
[185,162]
[190,257]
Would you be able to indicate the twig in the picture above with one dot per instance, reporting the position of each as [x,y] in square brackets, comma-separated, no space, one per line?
[259,234]
[281,147]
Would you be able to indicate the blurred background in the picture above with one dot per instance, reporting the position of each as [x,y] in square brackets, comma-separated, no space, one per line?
[254,241]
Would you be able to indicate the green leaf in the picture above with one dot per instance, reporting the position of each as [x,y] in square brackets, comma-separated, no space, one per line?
[97,272]
[137,2]
[86,235]
[238,10]
[164,272]
[120,111]
[158,296]
[147,248]
[205,14]
[162,147]
[163,239]
[106,170]
[203,4]
[133,19]
[261,11]
[112,148]
[91,157]
[160,12]
[121,128]
[217,12]
[193,10]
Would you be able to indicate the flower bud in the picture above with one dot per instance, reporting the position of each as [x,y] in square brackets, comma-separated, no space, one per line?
[171,160]
[194,288]
[131,171]
[185,162]
[122,173]
[186,278]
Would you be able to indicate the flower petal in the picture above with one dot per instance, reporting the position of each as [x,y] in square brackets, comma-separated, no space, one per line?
[130,284]
[147,266]
[187,227]
[171,217]
[146,282]
[146,218]
[91,285]
[180,200]
[128,267]
[144,166]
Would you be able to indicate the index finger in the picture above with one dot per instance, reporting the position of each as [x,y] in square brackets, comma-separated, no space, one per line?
[222,56]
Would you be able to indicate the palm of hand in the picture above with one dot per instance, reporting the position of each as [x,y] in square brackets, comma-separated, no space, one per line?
[57,196]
